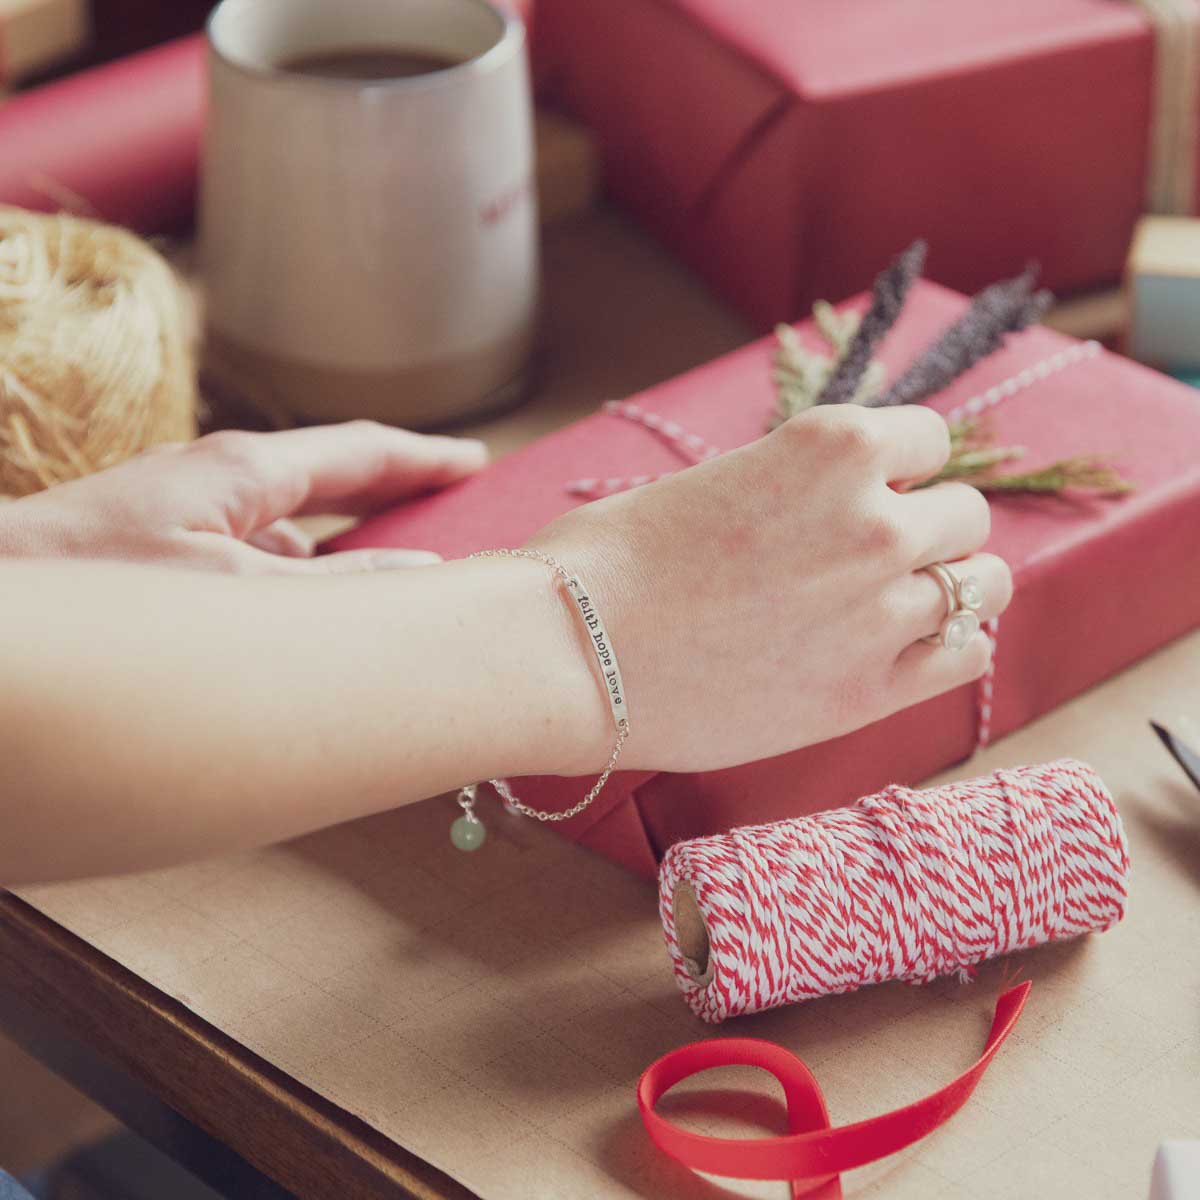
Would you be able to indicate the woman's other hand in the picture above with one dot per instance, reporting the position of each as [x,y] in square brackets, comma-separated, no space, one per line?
[225,502]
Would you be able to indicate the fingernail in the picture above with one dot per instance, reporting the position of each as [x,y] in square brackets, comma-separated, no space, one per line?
[473,447]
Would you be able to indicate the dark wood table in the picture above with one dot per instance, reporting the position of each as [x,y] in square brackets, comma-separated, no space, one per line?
[233,1120]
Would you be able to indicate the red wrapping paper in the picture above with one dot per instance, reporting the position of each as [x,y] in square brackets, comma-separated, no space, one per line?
[119,142]
[1099,582]
[785,148]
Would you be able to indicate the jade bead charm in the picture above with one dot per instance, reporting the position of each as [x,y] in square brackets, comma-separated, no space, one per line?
[468,832]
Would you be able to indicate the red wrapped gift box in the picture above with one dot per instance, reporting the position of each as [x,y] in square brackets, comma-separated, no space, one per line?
[785,148]
[118,142]
[1099,582]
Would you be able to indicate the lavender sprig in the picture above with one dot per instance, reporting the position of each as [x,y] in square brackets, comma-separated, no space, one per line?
[887,298]
[1002,308]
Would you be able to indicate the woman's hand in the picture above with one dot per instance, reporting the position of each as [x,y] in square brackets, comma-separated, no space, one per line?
[223,503]
[774,597]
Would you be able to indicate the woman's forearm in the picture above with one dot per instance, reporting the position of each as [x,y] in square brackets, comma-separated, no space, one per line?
[150,716]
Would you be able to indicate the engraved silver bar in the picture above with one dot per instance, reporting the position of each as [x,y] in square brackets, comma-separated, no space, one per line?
[606,656]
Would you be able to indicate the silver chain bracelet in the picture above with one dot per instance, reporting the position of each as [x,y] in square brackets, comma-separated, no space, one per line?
[468,833]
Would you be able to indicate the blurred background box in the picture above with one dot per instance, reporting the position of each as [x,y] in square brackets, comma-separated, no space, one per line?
[568,168]
[120,27]
[36,34]
[785,148]
[1163,287]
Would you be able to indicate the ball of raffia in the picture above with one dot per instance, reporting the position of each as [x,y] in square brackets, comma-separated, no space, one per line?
[96,360]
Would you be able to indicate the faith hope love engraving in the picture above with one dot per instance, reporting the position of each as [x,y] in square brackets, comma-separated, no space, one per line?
[602,646]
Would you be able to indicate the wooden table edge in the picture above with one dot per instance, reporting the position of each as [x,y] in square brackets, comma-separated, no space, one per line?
[61,998]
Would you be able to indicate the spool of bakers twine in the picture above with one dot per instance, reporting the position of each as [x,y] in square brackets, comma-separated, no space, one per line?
[905,884]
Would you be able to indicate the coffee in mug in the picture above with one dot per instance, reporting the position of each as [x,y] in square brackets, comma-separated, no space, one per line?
[367,62]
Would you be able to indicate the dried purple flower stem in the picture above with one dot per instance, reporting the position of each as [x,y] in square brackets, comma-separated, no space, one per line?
[887,299]
[1002,308]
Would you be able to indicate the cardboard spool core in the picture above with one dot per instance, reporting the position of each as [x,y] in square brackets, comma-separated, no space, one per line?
[692,934]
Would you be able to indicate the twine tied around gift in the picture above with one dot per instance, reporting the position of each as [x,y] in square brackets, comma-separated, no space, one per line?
[693,449]
[1171,156]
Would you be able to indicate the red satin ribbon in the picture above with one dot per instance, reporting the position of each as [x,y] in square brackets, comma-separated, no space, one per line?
[812,1155]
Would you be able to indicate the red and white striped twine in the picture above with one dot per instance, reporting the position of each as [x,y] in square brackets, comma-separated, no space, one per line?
[902,885]
[689,446]
[985,689]
[1025,378]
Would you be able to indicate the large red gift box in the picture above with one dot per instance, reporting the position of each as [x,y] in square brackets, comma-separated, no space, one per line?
[1100,582]
[118,142]
[785,148]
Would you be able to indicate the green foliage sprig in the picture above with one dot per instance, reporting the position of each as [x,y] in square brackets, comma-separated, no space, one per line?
[974,460]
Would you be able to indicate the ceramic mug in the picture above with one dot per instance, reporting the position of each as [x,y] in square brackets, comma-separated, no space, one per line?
[369,246]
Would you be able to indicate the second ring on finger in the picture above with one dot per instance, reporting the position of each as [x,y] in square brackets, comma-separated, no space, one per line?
[920,604]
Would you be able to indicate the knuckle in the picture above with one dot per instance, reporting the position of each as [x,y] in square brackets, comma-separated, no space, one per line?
[801,431]
[834,432]
[848,433]
[885,536]
[232,447]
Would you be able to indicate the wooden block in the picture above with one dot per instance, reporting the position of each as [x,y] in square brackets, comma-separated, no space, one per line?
[568,168]
[1162,283]
[34,34]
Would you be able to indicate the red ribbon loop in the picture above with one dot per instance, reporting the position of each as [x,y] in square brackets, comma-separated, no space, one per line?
[812,1155]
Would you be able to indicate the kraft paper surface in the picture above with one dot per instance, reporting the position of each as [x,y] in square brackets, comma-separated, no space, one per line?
[492,1012]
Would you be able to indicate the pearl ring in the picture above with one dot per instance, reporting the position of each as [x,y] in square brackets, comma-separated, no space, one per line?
[964,598]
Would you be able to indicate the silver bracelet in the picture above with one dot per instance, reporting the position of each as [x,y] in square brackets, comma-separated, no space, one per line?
[468,833]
